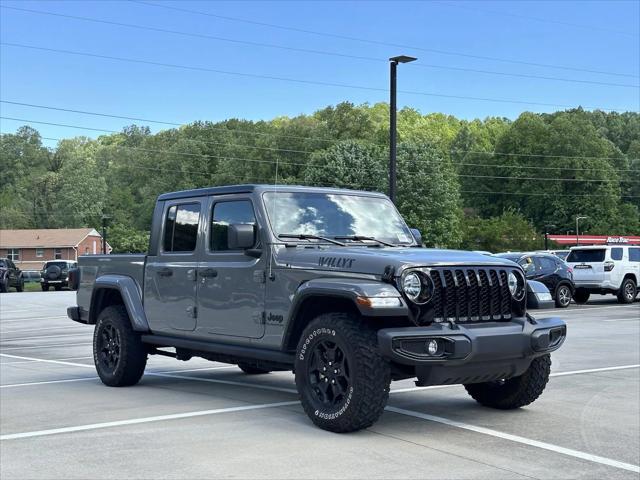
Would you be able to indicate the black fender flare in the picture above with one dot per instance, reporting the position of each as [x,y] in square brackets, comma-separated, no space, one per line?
[344,288]
[131,298]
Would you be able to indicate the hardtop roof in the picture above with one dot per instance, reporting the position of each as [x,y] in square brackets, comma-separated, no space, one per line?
[260,188]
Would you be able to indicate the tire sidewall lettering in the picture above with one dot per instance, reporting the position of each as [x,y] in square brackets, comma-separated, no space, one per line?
[313,335]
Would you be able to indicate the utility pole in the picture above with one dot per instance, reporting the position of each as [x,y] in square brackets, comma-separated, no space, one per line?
[105,220]
[578,218]
[392,121]
[546,235]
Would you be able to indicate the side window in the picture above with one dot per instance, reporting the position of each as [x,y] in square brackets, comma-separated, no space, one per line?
[548,265]
[528,265]
[634,254]
[181,228]
[616,254]
[226,213]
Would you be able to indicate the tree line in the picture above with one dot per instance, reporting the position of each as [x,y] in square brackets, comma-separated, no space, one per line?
[491,184]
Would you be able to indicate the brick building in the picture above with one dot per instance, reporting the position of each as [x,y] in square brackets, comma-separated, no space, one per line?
[29,249]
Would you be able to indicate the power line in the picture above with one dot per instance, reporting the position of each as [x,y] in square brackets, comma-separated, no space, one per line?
[378,42]
[312,51]
[537,19]
[306,164]
[298,80]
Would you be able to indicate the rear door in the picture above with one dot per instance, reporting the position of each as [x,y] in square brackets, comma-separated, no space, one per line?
[588,264]
[231,286]
[171,275]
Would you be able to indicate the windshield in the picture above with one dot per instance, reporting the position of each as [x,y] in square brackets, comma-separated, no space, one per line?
[336,215]
[591,255]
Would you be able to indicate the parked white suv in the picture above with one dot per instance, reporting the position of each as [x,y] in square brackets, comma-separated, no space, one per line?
[605,269]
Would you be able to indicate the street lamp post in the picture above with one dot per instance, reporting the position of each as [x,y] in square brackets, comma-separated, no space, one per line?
[105,221]
[392,121]
[546,235]
[578,218]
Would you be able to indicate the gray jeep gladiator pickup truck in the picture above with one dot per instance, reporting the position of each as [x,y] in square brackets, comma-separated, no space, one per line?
[328,283]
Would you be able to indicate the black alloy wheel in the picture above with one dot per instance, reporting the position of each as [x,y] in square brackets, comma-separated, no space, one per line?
[109,348]
[329,374]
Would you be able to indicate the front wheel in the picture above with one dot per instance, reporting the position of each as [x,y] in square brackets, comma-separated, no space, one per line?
[628,291]
[118,353]
[581,297]
[563,296]
[45,288]
[342,379]
[20,287]
[514,392]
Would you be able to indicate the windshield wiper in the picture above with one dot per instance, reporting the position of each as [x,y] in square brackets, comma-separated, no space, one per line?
[304,236]
[359,238]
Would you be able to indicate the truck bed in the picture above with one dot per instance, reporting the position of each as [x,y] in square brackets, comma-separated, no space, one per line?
[94,266]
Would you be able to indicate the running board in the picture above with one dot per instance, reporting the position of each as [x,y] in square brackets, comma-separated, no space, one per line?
[275,356]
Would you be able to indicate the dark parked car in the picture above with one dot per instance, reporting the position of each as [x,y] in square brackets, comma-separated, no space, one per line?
[10,276]
[55,273]
[548,269]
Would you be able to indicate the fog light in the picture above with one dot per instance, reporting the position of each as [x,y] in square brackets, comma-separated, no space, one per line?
[432,347]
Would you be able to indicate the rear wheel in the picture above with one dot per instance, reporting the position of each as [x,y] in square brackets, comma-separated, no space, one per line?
[45,288]
[563,296]
[119,355]
[58,288]
[581,297]
[4,285]
[251,370]
[514,392]
[342,379]
[20,287]
[628,291]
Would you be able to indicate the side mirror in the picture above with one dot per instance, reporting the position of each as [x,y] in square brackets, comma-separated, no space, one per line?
[417,235]
[241,236]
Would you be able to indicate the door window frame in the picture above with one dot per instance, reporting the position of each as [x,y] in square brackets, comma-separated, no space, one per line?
[213,201]
[176,203]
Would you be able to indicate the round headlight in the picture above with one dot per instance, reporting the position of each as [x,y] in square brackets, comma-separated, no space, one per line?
[412,286]
[417,286]
[516,285]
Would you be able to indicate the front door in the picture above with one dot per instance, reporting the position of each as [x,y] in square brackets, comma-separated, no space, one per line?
[230,283]
[170,282]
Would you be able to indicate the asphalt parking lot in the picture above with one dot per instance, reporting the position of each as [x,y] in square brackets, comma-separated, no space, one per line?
[199,419]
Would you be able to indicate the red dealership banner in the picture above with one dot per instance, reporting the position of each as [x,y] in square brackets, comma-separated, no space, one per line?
[596,239]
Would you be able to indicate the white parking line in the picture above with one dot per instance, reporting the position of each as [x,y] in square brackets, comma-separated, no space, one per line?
[517,439]
[136,421]
[31,361]
[587,309]
[22,319]
[30,384]
[46,346]
[38,337]
[23,330]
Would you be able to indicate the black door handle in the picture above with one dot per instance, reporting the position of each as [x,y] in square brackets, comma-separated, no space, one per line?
[208,272]
[165,272]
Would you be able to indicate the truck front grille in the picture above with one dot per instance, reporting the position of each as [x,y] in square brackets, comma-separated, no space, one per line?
[470,294]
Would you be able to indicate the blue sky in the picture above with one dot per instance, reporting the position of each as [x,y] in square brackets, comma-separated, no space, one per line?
[588,35]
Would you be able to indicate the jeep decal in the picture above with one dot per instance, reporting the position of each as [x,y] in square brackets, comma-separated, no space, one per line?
[336,262]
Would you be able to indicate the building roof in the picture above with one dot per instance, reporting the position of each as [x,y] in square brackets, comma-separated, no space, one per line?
[45,238]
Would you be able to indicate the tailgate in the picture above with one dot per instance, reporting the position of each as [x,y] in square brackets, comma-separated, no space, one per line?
[587,264]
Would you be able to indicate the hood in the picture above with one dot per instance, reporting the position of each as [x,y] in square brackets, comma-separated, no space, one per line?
[374,260]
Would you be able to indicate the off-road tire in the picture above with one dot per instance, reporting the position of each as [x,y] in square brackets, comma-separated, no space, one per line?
[562,293]
[628,291]
[45,288]
[369,374]
[58,288]
[581,297]
[132,357]
[20,287]
[251,370]
[514,392]
[4,285]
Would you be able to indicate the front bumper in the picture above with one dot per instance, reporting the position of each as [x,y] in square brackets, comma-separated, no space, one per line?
[474,352]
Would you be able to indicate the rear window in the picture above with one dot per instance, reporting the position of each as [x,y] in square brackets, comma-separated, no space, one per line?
[616,254]
[57,264]
[591,255]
